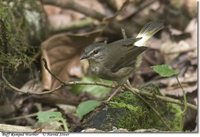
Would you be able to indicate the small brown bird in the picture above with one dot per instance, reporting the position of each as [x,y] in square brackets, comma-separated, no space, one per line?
[117,60]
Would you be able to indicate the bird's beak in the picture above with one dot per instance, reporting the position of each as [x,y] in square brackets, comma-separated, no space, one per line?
[83,56]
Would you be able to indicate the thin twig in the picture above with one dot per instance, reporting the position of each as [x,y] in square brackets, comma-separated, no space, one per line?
[184,96]
[23,91]
[114,93]
[125,4]
[73,82]
[27,116]
[52,74]
[71,4]
[163,98]
[111,4]
[73,26]
[53,90]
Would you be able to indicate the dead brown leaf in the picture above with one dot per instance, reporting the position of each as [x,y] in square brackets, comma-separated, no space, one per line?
[177,91]
[172,49]
[62,53]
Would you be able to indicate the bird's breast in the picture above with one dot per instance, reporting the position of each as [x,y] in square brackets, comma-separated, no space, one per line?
[103,71]
[116,76]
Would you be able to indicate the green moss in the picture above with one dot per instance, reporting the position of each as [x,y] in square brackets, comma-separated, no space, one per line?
[22,29]
[137,115]
[128,111]
[177,120]
[20,37]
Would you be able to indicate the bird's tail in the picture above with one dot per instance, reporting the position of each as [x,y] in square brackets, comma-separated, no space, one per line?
[147,32]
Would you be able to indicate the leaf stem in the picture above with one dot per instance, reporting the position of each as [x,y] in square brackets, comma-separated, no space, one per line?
[184,95]
[65,125]
[184,101]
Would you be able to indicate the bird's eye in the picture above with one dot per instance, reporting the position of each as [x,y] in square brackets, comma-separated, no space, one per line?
[95,51]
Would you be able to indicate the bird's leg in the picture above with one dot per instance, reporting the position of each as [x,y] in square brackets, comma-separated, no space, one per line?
[128,83]
[118,87]
[124,33]
[114,93]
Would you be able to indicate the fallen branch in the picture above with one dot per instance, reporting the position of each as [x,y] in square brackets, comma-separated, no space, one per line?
[73,26]
[71,4]
[25,129]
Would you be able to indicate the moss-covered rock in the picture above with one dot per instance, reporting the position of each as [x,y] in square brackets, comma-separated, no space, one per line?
[23,26]
[128,111]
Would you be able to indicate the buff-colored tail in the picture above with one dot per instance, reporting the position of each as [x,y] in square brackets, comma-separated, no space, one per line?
[147,32]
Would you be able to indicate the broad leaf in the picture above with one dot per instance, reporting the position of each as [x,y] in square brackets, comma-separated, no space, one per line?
[86,107]
[97,91]
[62,54]
[48,116]
[164,70]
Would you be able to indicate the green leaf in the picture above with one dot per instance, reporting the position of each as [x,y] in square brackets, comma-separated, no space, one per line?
[86,107]
[164,70]
[96,91]
[49,116]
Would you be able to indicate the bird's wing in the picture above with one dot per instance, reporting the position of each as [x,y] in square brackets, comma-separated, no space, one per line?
[128,57]
[122,54]
[125,52]
[124,42]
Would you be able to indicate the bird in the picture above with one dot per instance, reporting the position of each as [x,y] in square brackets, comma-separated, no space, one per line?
[116,61]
